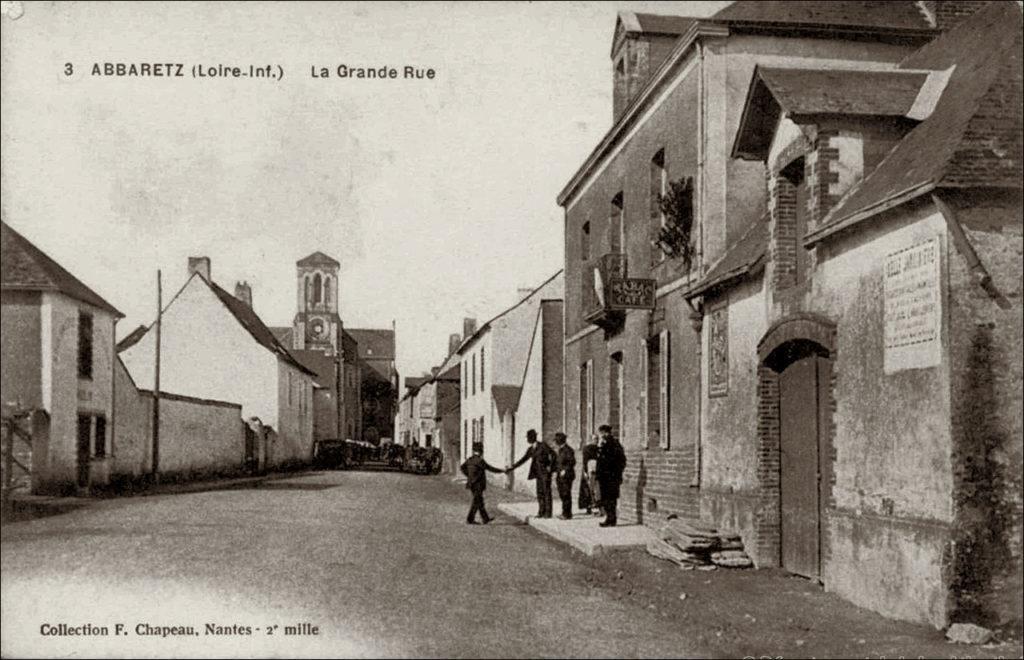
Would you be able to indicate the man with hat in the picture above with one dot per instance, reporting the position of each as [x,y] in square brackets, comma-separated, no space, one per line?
[542,464]
[611,463]
[476,468]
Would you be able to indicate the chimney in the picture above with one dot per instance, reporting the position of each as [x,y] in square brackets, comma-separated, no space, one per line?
[199,265]
[636,55]
[468,328]
[434,371]
[244,292]
[454,340]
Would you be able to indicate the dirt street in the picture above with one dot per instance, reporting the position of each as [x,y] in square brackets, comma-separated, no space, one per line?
[383,564]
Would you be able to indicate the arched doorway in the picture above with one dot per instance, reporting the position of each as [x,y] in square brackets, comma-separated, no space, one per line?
[795,457]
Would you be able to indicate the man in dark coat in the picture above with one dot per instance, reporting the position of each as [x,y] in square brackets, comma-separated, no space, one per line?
[476,468]
[542,463]
[565,473]
[611,462]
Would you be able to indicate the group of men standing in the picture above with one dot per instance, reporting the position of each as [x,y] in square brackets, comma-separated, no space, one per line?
[603,464]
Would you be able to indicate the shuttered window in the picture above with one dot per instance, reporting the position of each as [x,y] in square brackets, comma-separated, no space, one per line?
[644,379]
[653,387]
[665,373]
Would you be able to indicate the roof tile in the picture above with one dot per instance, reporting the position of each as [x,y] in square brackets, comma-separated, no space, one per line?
[25,267]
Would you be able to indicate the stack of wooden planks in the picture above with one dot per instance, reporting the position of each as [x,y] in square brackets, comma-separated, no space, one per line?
[691,545]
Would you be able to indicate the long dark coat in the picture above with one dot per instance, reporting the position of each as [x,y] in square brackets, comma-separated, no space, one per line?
[611,462]
[476,468]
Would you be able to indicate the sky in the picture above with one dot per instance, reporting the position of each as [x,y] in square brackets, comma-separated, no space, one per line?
[436,196]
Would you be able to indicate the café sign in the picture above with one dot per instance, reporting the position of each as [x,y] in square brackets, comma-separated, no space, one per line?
[631,293]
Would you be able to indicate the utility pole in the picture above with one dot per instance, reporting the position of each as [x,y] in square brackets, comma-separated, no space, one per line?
[339,395]
[156,381]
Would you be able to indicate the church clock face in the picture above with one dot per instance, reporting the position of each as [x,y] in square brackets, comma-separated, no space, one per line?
[318,328]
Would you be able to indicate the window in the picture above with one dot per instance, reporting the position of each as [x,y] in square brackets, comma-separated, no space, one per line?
[327,290]
[658,371]
[481,428]
[615,384]
[85,345]
[586,400]
[474,373]
[92,436]
[465,379]
[585,242]
[658,187]
[794,174]
[84,446]
[99,443]
[617,226]
[481,368]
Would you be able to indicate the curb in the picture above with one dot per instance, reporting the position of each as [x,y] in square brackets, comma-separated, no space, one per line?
[582,533]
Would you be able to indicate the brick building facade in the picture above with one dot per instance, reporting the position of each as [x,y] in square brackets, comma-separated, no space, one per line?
[641,371]
[789,123]
[867,331]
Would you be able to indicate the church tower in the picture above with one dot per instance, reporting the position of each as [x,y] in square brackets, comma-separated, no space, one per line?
[317,324]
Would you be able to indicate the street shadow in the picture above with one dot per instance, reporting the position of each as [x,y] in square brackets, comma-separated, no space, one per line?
[289,485]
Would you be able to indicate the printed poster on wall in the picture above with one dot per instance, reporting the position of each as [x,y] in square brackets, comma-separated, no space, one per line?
[718,355]
[913,307]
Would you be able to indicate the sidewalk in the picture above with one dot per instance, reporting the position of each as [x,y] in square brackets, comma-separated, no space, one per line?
[582,532]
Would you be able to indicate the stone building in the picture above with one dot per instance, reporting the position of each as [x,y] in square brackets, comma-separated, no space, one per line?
[378,381]
[412,422]
[58,360]
[494,361]
[318,339]
[215,347]
[862,342]
[674,118]
[694,385]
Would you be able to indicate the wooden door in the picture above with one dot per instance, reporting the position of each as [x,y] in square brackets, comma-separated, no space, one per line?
[800,394]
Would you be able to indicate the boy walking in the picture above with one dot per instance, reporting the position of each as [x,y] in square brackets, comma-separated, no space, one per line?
[476,468]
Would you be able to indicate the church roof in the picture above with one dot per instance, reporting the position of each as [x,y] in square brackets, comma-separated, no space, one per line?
[317,259]
[283,334]
[25,267]
[374,343]
[320,364]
